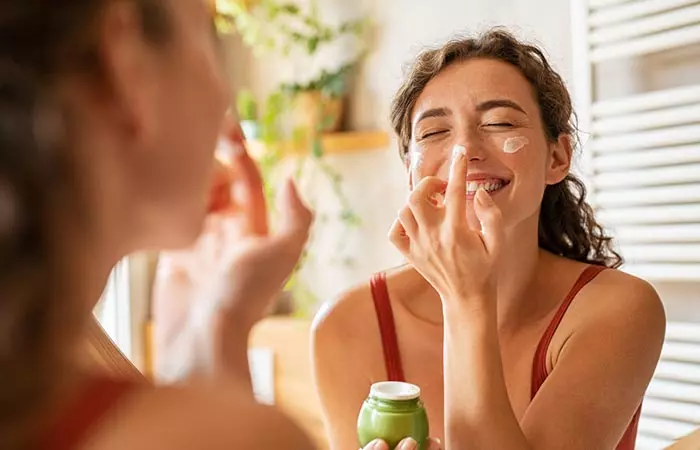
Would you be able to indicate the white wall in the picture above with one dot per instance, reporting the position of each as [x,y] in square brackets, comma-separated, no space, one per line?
[404,27]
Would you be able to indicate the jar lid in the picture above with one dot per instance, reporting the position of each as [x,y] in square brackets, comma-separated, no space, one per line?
[394,390]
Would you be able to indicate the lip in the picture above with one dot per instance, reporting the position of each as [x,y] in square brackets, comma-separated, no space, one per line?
[477,176]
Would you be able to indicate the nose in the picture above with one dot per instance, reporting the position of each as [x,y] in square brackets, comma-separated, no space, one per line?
[475,148]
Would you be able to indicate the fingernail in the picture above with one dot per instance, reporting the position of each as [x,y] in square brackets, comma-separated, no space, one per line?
[458,151]
[408,444]
[374,445]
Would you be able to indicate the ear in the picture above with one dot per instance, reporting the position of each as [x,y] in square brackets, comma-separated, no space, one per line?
[129,71]
[559,160]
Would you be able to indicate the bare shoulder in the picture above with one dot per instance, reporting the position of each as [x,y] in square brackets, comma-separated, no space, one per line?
[216,416]
[351,317]
[616,292]
[620,301]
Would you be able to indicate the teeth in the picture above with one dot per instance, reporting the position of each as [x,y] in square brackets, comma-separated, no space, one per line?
[489,186]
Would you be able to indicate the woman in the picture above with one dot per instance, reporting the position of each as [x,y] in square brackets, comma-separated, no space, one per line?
[510,315]
[109,115]
[690,442]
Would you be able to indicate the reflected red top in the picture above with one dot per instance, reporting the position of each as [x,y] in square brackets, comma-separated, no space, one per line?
[72,427]
[392,356]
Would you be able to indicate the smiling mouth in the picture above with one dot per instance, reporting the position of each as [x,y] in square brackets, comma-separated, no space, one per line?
[490,185]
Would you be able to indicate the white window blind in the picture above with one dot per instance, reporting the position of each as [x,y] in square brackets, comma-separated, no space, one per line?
[641,151]
[642,167]
[114,308]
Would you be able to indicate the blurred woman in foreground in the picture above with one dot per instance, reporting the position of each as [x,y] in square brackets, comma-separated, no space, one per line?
[110,111]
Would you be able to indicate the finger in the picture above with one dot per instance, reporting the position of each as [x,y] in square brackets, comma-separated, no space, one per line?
[231,128]
[491,220]
[408,222]
[407,444]
[456,193]
[296,216]
[247,192]
[434,444]
[399,238]
[220,192]
[376,444]
[421,198]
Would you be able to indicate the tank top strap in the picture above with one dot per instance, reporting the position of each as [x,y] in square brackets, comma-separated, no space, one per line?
[387,327]
[539,364]
[72,426]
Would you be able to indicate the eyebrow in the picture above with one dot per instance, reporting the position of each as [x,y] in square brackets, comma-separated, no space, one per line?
[434,112]
[499,103]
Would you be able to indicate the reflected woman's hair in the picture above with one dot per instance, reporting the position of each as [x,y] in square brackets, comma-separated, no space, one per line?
[567,225]
[42,43]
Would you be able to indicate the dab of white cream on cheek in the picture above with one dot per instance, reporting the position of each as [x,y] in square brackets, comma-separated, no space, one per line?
[514,144]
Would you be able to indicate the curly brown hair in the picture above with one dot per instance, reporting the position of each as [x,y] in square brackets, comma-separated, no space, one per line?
[42,42]
[567,224]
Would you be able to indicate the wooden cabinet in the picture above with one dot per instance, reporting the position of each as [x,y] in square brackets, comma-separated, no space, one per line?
[294,390]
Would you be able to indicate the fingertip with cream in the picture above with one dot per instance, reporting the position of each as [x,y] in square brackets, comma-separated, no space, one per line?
[458,151]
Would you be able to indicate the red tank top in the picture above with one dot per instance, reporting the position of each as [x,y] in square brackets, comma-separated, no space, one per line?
[72,427]
[392,356]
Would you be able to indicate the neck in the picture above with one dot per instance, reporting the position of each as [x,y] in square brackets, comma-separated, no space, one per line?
[518,272]
[93,217]
[517,285]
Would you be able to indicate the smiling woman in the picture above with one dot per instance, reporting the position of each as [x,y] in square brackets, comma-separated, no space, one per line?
[511,282]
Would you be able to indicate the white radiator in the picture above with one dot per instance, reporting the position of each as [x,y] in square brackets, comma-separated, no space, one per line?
[642,152]
[642,166]
[672,403]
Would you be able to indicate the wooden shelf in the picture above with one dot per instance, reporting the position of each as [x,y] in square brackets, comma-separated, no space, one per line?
[333,143]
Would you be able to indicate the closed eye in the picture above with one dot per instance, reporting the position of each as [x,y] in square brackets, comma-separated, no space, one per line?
[432,133]
[500,125]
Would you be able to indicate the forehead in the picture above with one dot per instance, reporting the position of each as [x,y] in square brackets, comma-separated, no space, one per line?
[468,83]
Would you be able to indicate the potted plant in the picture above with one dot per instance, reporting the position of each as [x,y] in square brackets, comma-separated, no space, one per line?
[248,114]
[317,103]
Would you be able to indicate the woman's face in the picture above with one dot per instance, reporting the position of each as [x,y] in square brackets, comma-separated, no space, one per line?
[175,98]
[488,107]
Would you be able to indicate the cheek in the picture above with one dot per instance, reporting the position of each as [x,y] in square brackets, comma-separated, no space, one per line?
[430,159]
[430,166]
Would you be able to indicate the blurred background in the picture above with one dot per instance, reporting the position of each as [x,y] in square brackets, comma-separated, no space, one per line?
[314,80]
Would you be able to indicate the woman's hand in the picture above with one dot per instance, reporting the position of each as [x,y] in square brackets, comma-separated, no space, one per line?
[436,239]
[406,444]
[208,297]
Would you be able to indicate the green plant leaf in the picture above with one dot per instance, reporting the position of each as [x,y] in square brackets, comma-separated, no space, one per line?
[312,45]
[317,148]
[246,105]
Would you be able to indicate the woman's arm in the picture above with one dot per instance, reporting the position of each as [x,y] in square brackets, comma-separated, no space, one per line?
[602,369]
[589,398]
